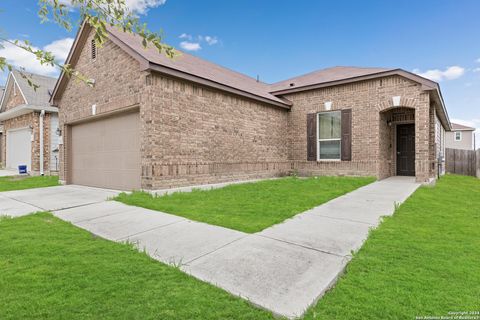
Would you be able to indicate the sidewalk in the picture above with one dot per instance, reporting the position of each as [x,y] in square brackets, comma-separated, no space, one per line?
[284,268]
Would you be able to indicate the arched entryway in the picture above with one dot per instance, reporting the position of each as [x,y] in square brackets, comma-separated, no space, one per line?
[397,142]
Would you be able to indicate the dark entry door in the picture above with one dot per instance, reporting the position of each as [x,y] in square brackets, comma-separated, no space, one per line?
[406,150]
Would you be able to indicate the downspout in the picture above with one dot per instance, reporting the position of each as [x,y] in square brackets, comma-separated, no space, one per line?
[42,116]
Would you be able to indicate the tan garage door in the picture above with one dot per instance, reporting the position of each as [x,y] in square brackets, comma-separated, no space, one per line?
[106,153]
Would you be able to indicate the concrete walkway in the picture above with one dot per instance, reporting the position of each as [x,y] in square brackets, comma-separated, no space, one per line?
[285,268]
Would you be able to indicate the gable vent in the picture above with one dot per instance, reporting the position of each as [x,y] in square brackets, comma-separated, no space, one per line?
[93,49]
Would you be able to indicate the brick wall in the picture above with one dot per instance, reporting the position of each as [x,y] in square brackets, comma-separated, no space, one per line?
[202,135]
[118,85]
[189,134]
[15,98]
[367,99]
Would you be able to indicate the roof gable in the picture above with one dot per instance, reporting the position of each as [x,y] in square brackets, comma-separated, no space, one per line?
[185,66]
[10,87]
[461,127]
[40,96]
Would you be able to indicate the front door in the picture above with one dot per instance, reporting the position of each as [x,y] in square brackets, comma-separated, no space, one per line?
[406,150]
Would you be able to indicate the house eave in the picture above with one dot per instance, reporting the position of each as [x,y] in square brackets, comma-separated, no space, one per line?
[463,130]
[25,109]
[215,85]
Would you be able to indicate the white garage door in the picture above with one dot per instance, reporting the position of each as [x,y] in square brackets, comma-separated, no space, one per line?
[106,153]
[19,148]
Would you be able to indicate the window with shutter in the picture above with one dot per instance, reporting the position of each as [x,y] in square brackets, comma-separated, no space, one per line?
[329,135]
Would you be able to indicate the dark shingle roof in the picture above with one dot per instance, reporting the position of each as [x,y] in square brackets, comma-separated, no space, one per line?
[41,96]
[324,76]
[198,67]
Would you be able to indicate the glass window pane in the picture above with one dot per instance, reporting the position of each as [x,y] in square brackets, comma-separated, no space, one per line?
[330,149]
[329,125]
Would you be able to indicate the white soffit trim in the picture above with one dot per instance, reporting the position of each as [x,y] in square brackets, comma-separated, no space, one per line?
[24,109]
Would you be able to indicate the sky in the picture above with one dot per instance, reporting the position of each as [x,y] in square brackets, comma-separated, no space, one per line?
[280,39]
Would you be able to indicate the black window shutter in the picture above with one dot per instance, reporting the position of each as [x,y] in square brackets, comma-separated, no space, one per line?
[347,135]
[312,137]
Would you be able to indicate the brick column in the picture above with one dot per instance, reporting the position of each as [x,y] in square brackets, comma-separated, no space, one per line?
[433,145]
[422,138]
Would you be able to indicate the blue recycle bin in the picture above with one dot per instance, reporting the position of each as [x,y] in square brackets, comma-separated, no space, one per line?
[22,169]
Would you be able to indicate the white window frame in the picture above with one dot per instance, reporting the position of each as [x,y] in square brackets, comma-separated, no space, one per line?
[460,137]
[337,139]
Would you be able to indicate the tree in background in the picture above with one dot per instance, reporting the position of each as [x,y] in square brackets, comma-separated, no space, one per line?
[98,14]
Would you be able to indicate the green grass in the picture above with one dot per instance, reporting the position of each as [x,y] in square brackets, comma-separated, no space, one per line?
[424,260]
[26,182]
[249,207]
[50,269]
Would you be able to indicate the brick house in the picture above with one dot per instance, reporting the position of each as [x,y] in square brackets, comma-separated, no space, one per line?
[29,135]
[151,122]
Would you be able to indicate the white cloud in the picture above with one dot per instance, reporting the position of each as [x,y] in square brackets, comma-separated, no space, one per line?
[438,75]
[211,40]
[142,6]
[195,46]
[476,70]
[60,48]
[478,60]
[23,59]
[136,6]
[185,36]
[190,46]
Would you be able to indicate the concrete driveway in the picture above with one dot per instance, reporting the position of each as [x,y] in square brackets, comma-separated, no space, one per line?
[284,268]
[8,173]
[22,202]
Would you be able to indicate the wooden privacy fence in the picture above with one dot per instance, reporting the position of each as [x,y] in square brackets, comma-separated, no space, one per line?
[464,162]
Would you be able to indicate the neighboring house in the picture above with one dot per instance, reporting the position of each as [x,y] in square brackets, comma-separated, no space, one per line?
[461,137]
[29,124]
[151,122]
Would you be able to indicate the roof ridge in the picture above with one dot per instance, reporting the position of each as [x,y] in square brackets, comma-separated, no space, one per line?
[380,69]
[33,74]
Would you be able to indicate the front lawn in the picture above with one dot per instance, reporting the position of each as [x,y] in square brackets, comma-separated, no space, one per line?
[50,269]
[27,182]
[249,207]
[423,261]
